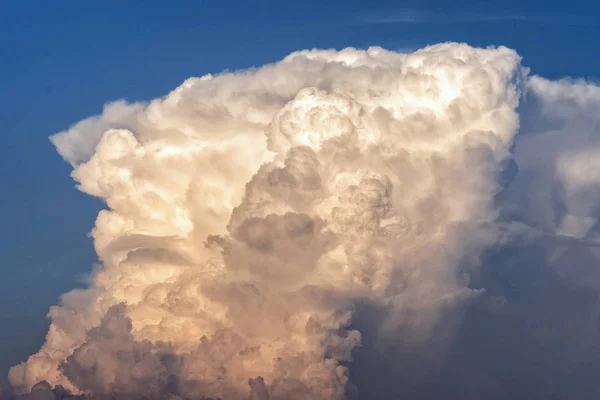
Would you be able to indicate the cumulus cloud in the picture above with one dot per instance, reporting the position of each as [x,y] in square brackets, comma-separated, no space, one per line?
[557,190]
[250,215]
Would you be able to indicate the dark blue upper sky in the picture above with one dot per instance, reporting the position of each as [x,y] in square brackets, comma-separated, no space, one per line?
[60,61]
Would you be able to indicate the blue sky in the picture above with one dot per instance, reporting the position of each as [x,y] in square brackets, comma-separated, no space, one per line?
[61,63]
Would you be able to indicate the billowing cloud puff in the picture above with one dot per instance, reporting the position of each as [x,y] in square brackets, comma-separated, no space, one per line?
[249,213]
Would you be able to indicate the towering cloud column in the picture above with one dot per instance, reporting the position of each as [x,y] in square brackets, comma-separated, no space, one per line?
[248,213]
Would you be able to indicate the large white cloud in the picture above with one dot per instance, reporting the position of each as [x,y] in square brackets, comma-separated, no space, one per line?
[249,212]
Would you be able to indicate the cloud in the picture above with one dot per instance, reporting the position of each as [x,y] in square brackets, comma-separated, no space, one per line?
[265,228]
[556,157]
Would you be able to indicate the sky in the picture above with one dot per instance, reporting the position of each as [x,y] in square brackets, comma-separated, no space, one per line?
[61,63]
